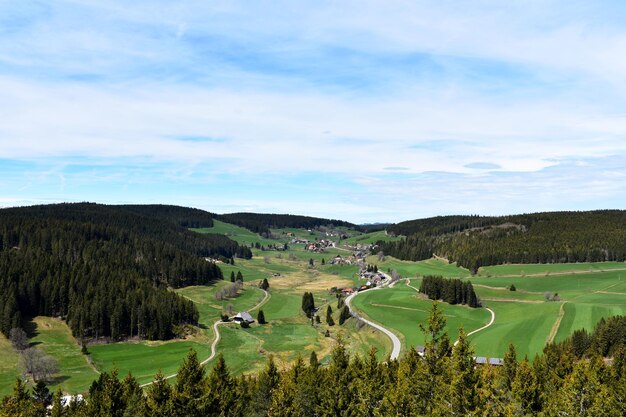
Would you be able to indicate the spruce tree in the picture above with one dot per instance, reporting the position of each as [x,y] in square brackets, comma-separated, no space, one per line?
[261,317]
[188,387]
[232,276]
[344,315]
[158,397]
[329,316]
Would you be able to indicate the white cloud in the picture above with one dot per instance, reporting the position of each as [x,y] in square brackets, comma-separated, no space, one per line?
[350,90]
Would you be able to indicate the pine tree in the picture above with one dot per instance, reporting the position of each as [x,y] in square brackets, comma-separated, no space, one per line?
[239,276]
[524,388]
[510,366]
[189,386]
[158,397]
[344,315]
[232,276]
[329,316]
[464,378]
[220,389]
[261,317]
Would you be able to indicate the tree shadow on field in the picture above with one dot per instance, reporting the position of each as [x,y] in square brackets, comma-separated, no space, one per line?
[30,327]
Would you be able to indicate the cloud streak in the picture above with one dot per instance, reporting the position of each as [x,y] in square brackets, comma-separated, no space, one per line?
[491,106]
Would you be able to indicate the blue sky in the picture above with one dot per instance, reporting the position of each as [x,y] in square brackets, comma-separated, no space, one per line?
[366,111]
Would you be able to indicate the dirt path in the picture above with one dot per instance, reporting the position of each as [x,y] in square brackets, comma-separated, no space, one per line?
[408,284]
[216,331]
[493,318]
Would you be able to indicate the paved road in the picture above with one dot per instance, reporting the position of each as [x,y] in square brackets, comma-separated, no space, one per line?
[395,351]
[217,336]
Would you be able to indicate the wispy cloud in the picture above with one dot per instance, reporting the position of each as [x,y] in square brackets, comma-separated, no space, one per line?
[416,103]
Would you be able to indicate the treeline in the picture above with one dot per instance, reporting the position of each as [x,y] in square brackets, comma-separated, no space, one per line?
[450,290]
[261,223]
[183,216]
[434,226]
[608,336]
[104,269]
[559,237]
[446,381]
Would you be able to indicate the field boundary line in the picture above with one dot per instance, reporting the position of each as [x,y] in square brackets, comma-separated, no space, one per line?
[557,323]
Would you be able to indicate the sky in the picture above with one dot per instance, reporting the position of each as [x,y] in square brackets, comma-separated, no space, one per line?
[366,111]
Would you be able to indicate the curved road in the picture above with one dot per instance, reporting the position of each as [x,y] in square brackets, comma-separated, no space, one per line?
[217,337]
[395,351]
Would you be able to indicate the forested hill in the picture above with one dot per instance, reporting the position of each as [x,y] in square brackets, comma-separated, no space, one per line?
[105,269]
[475,241]
[261,223]
[182,216]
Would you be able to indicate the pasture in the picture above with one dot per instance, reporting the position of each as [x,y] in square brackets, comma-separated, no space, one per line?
[402,310]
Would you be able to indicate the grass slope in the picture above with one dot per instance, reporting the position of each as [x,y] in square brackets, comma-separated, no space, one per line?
[8,366]
[401,309]
[55,338]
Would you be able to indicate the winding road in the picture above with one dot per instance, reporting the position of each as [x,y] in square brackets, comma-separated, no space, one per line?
[395,351]
[217,336]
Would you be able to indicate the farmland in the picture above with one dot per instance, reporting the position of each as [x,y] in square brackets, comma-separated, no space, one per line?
[586,292]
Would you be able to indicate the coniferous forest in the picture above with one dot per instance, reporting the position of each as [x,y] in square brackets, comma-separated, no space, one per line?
[105,269]
[475,241]
[446,381]
[451,291]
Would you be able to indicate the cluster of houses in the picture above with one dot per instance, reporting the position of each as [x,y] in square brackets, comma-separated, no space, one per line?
[374,279]
[320,245]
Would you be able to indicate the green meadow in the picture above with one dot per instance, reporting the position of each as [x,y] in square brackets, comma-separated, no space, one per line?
[409,269]
[402,310]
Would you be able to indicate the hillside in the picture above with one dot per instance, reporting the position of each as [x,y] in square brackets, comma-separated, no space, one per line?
[105,269]
[261,223]
[475,241]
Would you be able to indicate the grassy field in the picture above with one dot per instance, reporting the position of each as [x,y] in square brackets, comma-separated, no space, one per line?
[8,366]
[236,233]
[54,337]
[543,269]
[369,238]
[144,359]
[411,269]
[525,325]
[402,309]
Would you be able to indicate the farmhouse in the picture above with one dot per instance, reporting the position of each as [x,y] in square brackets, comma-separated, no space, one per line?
[243,316]
[347,291]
